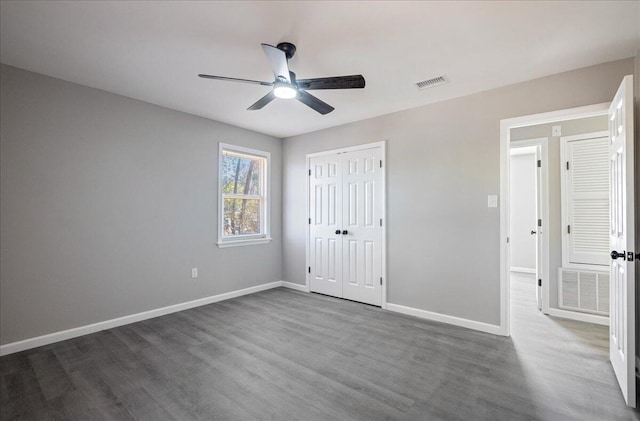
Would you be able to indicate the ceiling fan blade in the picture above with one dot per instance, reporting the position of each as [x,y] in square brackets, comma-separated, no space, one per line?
[337,82]
[313,102]
[233,79]
[278,62]
[263,101]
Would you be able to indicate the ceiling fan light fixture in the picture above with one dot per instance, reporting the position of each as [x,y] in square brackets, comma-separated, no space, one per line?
[284,90]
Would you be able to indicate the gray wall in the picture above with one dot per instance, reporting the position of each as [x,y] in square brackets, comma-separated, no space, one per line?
[568,128]
[107,204]
[442,162]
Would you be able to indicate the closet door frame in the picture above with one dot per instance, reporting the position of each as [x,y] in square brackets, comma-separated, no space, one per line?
[382,146]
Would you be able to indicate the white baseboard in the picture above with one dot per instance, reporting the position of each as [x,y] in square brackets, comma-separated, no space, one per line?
[50,338]
[576,315]
[444,318]
[522,270]
[297,287]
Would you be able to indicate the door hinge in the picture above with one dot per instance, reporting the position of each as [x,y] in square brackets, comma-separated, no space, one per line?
[381,163]
[567,165]
[309,221]
[539,163]
[309,172]
[380,221]
[381,280]
[539,222]
[507,240]
[309,269]
[568,229]
[539,282]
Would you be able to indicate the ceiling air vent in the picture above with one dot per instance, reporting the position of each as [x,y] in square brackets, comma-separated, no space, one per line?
[430,83]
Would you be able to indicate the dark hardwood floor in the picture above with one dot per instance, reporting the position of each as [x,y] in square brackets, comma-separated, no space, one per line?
[283,355]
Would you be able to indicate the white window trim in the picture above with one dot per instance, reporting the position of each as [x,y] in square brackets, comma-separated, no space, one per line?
[564,198]
[246,240]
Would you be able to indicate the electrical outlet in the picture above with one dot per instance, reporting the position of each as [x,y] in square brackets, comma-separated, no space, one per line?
[194,272]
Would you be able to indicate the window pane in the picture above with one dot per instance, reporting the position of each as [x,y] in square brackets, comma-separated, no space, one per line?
[241,173]
[241,216]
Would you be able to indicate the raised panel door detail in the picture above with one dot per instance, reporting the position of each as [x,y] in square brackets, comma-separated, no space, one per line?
[331,203]
[318,171]
[368,165]
[368,203]
[369,261]
[331,261]
[353,166]
[331,169]
[353,204]
[318,261]
[318,205]
[352,260]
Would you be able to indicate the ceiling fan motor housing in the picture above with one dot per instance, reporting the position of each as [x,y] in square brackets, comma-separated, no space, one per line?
[288,48]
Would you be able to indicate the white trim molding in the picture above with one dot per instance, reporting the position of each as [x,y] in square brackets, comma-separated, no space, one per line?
[523,270]
[582,317]
[293,285]
[63,335]
[444,318]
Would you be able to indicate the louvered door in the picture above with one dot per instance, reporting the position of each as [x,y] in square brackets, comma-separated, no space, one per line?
[586,200]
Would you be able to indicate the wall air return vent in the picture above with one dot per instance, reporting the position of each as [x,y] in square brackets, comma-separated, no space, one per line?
[430,83]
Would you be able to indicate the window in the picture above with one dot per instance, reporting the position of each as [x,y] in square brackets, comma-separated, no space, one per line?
[585,201]
[243,196]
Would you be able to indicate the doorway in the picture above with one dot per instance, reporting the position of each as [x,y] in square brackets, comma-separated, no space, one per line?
[584,203]
[346,244]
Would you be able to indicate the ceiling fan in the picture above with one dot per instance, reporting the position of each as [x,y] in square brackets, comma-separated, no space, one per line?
[286,85]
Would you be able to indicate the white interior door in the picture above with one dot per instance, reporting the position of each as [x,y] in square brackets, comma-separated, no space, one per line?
[621,235]
[345,224]
[537,228]
[325,220]
[362,225]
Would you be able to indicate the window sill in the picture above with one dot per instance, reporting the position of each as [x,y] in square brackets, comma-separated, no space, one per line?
[247,242]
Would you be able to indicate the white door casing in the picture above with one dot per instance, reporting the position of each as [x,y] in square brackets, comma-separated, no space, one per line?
[345,248]
[622,238]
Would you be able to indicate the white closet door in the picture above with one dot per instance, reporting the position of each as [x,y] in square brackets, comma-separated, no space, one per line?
[325,211]
[362,231]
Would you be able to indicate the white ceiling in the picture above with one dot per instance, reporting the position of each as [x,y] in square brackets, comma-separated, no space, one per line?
[153,50]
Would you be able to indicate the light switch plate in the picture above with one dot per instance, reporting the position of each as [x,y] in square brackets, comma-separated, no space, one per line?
[492,201]
[194,272]
[556,130]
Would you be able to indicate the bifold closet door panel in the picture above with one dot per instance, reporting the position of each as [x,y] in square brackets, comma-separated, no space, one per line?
[325,233]
[361,213]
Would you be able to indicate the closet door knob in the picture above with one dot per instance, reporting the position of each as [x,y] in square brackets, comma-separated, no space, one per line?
[338,232]
[345,232]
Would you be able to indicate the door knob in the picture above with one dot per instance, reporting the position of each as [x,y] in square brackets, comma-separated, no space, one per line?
[614,255]
[338,232]
[345,232]
[533,232]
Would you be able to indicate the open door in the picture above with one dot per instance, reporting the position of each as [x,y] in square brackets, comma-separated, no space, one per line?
[538,227]
[622,238]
